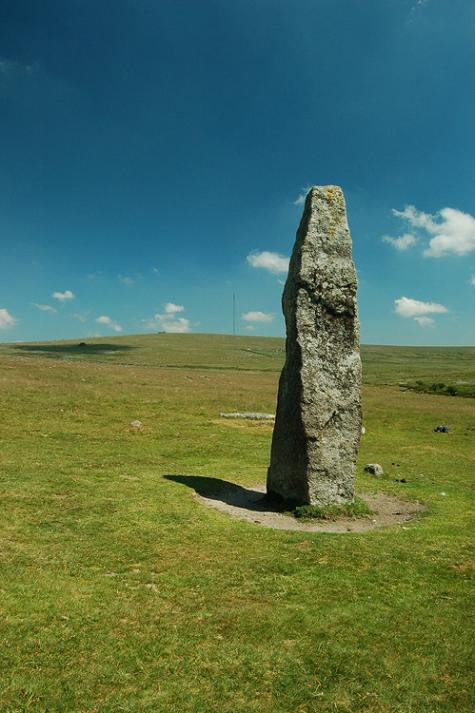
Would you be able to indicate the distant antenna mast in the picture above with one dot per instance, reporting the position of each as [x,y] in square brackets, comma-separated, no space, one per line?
[234,314]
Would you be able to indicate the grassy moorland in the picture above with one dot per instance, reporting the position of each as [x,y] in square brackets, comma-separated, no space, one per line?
[119,592]
[382,364]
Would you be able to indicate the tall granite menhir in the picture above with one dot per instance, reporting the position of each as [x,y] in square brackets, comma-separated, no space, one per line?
[318,419]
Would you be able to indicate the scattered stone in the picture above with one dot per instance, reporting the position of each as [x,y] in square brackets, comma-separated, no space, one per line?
[136,424]
[441,429]
[444,494]
[363,430]
[153,587]
[374,469]
[251,415]
[318,419]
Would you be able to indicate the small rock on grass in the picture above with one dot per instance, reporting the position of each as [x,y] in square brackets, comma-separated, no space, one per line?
[374,469]
[136,424]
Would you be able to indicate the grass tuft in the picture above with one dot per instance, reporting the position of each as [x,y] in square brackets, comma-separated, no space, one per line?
[355,509]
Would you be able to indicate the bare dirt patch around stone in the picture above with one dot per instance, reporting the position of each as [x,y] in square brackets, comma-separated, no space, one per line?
[250,504]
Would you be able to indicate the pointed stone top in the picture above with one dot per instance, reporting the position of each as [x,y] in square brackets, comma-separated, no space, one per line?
[324,227]
[328,187]
[329,194]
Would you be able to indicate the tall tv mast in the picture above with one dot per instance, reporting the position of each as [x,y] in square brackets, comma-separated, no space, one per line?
[234,314]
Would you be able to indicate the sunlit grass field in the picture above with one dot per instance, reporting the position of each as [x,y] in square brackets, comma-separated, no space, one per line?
[120,592]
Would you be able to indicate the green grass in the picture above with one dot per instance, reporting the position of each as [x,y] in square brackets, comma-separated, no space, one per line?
[120,592]
[356,509]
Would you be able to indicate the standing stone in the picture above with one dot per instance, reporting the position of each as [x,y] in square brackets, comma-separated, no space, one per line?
[318,419]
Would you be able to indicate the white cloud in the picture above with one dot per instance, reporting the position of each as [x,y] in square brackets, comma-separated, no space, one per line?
[125,280]
[403,242]
[177,326]
[472,280]
[109,322]
[455,234]
[448,232]
[171,308]
[45,308]
[407,307]
[300,200]
[250,327]
[167,321]
[425,321]
[274,262]
[257,316]
[6,319]
[416,218]
[63,296]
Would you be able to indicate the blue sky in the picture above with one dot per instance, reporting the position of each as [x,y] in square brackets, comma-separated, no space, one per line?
[153,157]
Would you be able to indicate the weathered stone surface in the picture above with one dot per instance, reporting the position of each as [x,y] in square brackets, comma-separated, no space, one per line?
[318,418]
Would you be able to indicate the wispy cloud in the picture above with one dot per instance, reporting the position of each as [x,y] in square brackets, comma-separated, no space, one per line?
[257,316]
[81,316]
[447,232]
[273,262]
[416,8]
[472,280]
[420,4]
[425,321]
[418,310]
[9,67]
[45,308]
[6,319]
[403,242]
[126,280]
[109,322]
[300,200]
[167,321]
[63,296]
